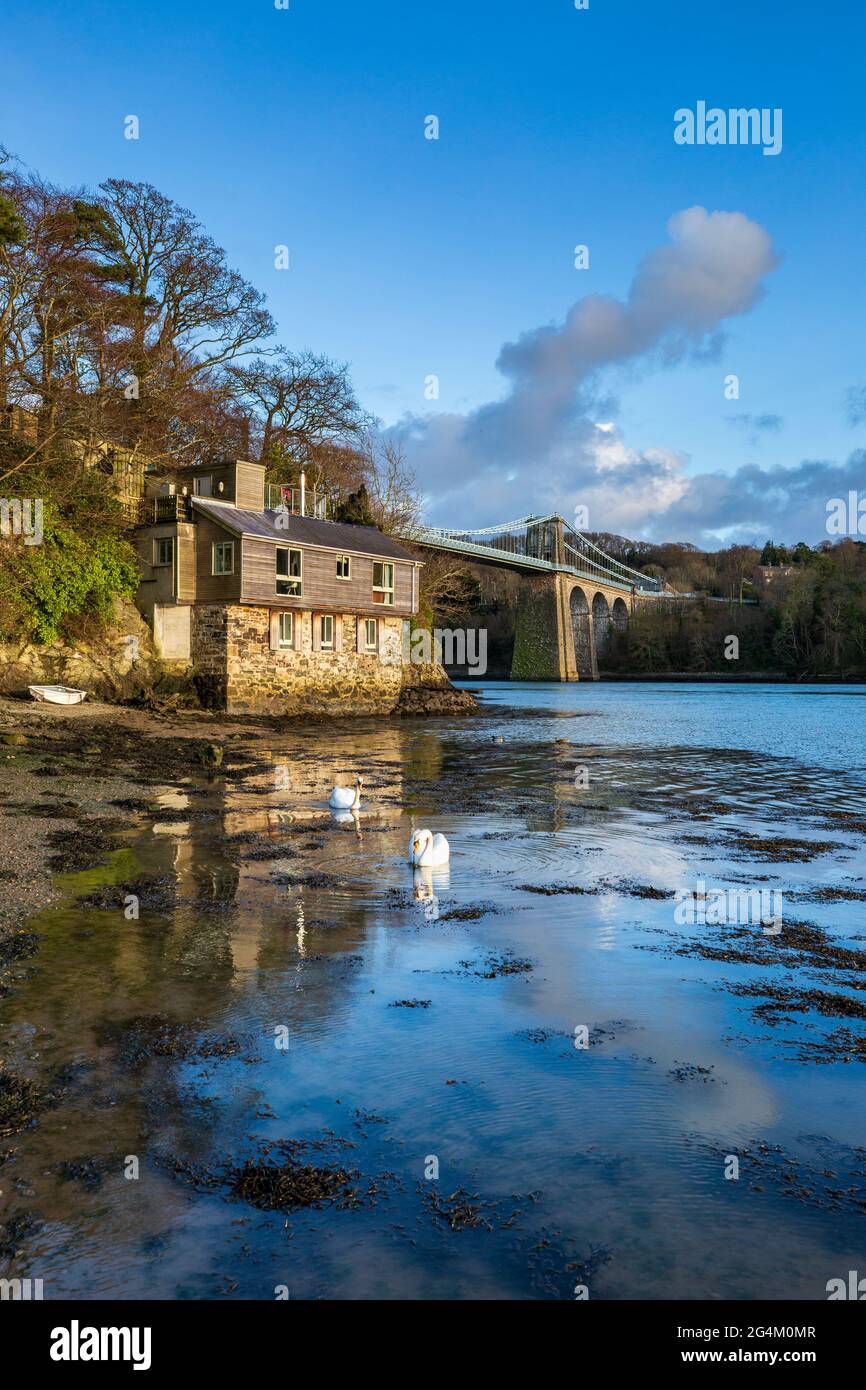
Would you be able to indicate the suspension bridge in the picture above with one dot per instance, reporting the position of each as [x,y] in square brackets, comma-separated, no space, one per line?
[550,594]
[542,543]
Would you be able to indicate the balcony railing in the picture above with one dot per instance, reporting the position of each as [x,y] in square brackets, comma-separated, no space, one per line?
[157,511]
[318,502]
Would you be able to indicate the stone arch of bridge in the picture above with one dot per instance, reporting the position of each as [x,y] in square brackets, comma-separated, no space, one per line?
[580,632]
[600,622]
[619,614]
[592,612]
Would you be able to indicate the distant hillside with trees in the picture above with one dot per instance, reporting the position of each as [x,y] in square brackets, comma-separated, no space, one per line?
[807,615]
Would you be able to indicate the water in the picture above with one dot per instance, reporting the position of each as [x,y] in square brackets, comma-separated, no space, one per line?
[821,725]
[603,1166]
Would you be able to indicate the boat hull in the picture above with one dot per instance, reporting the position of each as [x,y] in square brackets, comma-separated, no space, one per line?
[57,694]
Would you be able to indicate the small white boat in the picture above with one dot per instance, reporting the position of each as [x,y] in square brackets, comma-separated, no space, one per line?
[58,694]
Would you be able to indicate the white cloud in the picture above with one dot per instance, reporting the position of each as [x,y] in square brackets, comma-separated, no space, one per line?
[538,448]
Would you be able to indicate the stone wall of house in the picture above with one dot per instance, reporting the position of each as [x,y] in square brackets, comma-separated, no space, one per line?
[235,668]
[209,651]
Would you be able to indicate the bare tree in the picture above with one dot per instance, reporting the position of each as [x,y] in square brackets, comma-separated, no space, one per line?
[395,500]
[183,317]
[55,310]
[298,403]
[118,318]
[449,592]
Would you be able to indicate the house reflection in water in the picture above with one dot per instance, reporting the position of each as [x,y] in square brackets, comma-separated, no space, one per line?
[264,867]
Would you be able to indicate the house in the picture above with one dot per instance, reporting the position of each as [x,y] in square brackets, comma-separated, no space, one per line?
[275,610]
[767,573]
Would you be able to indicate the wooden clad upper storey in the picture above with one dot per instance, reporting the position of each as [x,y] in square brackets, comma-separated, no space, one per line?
[281,561]
[237,481]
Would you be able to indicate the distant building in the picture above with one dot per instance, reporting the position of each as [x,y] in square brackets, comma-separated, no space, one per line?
[125,466]
[768,573]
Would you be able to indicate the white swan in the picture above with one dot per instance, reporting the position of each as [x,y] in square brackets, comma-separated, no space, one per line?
[345,799]
[426,849]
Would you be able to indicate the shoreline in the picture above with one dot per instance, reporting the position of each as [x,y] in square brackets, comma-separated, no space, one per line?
[97,755]
[682,678]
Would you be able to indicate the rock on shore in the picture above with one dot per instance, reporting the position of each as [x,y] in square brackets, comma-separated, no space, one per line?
[427,690]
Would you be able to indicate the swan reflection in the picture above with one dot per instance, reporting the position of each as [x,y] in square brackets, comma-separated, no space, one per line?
[349,819]
[426,883]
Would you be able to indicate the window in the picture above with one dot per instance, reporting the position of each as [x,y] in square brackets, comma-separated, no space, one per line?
[371,634]
[344,567]
[287,631]
[203,487]
[383,582]
[163,551]
[327,631]
[288,572]
[223,557]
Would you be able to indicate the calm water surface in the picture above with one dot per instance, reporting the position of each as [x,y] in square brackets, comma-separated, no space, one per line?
[273,921]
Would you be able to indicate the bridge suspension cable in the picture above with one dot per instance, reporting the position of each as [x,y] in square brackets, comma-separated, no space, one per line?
[541,542]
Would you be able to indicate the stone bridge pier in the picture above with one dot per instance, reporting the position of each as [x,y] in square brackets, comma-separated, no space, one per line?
[564,624]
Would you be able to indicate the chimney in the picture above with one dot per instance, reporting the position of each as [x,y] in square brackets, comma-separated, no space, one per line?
[303,493]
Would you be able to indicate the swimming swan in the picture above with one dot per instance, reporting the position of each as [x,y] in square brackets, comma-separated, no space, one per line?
[426,849]
[345,799]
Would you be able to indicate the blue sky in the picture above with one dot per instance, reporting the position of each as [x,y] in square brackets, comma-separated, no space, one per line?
[412,257]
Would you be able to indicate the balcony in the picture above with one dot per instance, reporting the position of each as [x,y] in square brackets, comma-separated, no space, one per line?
[159,511]
[318,502]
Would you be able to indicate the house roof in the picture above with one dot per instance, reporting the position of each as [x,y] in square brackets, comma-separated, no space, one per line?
[303,530]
